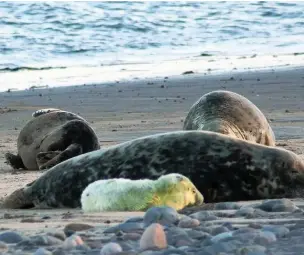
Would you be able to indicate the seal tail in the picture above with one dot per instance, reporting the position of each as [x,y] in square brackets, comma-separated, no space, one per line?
[17,200]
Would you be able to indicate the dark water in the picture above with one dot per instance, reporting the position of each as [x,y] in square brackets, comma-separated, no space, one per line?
[63,34]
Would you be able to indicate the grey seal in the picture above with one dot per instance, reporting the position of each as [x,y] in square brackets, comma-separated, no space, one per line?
[231,114]
[50,137]
[222,168]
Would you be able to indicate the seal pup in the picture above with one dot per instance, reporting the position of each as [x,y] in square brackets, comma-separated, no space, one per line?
[52,136]
[231,114]
[174,190]
[222,168]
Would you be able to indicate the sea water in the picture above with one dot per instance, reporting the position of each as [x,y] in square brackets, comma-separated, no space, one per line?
[70,43]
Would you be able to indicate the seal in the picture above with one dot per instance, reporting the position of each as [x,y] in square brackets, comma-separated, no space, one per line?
[222,168]
[174,190]
[52,136]
[231,114]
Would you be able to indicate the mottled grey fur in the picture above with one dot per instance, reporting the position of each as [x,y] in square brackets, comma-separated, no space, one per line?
[51,137]
[231,114]
[221,167]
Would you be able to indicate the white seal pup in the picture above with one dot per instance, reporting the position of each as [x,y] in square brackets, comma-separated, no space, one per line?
[231,114]
[174,190]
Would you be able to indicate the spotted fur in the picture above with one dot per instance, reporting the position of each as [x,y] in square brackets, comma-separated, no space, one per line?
[221,167]
[231,114]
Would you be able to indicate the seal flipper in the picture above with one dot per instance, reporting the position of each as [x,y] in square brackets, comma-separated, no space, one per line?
[14,161]
[43,157]
[71,151]
[17,200]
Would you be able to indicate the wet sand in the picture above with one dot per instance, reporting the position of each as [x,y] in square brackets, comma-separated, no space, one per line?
[122,111]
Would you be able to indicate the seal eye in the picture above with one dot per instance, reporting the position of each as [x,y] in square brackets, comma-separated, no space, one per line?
[193,191]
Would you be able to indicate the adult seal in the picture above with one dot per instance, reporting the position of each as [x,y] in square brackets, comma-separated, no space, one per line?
[221,167]
[51,137]
[231,114]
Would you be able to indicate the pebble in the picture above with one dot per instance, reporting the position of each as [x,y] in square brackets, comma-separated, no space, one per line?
[188,222]
[10,237]
[125,227]
[58,234]
[135,219]
[219,230]
[163,215]
[228,246]
[3,247]
[163,231]
[110,248]
[72,241]
[227,206]
[40,240]
[279,231]
[265,238]
[203,216]
[153,237]
[278,205]
[251,250]
[77,227]
[42,251]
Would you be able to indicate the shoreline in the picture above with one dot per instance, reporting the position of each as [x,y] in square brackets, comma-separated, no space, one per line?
[203,64]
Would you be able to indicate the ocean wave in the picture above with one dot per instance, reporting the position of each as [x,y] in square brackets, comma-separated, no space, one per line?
[27,68]
[94,32]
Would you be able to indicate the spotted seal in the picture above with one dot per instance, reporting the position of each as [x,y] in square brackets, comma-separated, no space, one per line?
[231,114]
[52,136]
[222,168]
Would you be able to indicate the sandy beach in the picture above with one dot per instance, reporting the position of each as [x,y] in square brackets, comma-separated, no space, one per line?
[125,110]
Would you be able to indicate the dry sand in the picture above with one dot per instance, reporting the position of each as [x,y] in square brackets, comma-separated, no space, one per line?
[123,111]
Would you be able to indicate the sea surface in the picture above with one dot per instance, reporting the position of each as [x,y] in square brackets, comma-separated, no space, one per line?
[43,36]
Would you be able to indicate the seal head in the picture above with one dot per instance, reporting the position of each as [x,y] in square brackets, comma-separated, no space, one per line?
[231,114]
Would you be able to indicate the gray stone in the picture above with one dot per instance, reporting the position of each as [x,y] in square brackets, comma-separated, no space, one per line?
[110,249]
[251,250]
[125,227]
[188,222]
[229,246]
[135,219]
[163,215]
[42,251]
[227,206]
[199,235]
[172,251]
[174,234]
[244,211]
[45,240]
[3,247]
[11,237]
[218,230]
[279,231]
[203,216]
[278,205]
[264,238]
[221,237]
[58,234]
[72,242]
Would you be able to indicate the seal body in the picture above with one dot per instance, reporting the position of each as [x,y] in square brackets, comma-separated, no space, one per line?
[51,137]
[174,190]
[231,114]
[221,167]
